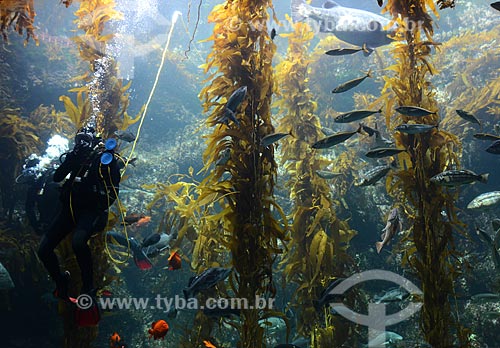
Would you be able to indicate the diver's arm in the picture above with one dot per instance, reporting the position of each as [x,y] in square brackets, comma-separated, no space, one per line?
[70,162]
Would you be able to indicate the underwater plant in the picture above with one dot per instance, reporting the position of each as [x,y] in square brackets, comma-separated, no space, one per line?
[20,14]
[319,240]
[18,139]
[431,250]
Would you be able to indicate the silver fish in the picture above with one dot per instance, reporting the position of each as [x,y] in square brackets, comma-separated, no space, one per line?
[485,297]
[374,175]
[224,157]
[334,139]
[232,105]
[381,152]
[485,201]
[415,128]
[414,111]
[486,136]
[351,84]
[346,51]
[392,295]
[467,116]
[385,339]
[392,227]
[272,138]
[352,116]
[326,174]
[458,177]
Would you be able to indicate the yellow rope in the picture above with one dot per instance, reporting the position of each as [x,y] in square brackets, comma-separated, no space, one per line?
[174,19]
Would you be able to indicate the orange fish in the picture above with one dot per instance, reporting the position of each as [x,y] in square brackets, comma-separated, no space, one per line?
[114,339]
[143,221]
[158,329]
[174,261]
[209,344]
[132,218]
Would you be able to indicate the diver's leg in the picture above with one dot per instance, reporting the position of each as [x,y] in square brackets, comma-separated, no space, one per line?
[83,232]
[60,227]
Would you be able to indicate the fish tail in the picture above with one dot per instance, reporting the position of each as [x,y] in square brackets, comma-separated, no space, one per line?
[379,246]
[369,74]
[484,178]
[299,10]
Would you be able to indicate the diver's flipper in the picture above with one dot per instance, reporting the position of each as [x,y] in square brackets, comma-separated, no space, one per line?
[89,316]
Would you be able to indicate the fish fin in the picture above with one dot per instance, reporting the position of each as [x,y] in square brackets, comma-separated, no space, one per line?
[232,117]
[299,9]
[379,246]
[484,178]
[360,128]
[329,4]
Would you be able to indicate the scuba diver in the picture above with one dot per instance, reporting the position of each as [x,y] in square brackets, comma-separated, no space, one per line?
[91,188]
[42,195]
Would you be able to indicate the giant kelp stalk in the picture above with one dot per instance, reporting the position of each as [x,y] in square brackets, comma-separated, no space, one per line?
[241,56]
[319,238]
[102,102]
[19,15]
[427,155]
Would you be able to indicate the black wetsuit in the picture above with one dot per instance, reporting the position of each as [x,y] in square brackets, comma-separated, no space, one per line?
[42,202]
[86,197]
